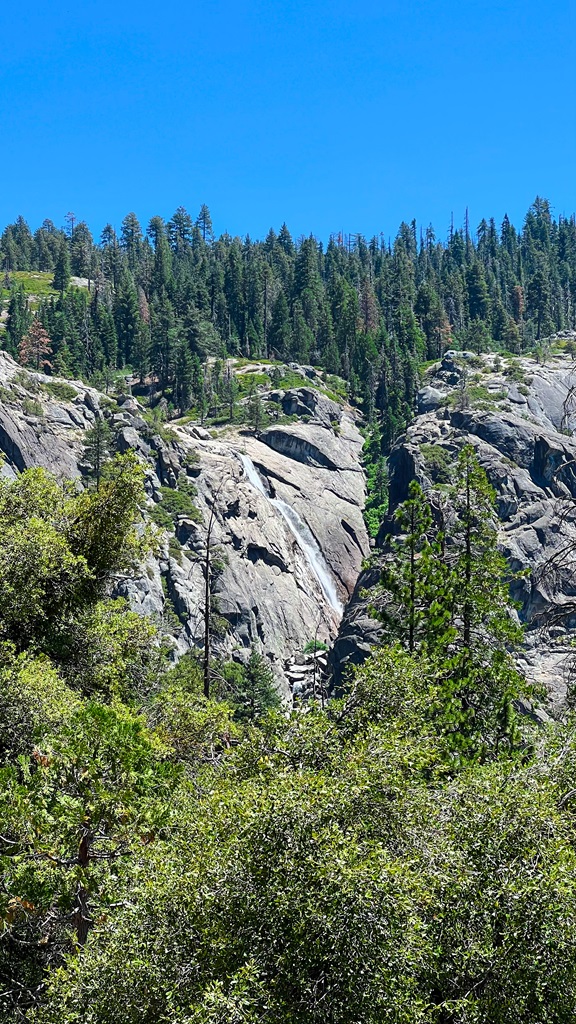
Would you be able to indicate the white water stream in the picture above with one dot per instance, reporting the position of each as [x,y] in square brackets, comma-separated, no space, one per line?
[303,536]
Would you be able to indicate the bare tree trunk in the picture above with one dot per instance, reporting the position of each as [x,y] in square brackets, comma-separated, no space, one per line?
[207,619]
[82,919]
[207,602]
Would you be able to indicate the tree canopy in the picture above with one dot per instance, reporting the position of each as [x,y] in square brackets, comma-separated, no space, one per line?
[167,857]
[369,310]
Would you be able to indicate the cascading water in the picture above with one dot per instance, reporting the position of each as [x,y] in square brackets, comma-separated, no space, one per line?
[253,475]
[301,533]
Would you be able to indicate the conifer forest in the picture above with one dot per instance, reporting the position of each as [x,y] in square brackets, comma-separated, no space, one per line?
[164,297]
[287,624]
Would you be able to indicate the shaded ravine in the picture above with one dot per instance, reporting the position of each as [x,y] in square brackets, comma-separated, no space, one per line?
[301,533]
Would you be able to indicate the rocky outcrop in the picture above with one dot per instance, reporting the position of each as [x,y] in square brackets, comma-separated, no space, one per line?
[36,430]
[308,402]
[519,416]
[268,591]
[268,563]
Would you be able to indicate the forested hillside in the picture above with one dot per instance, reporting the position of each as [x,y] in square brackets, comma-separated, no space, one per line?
[182,839]
[161,299]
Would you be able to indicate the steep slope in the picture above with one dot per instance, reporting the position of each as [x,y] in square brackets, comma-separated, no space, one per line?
[288,536]
[519,416]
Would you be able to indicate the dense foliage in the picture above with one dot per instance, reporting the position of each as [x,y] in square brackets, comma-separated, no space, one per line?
[446,595]
[163,299]
[169,859]
[406,854]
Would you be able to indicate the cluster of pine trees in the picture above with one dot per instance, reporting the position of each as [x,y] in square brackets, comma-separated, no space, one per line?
[368,310]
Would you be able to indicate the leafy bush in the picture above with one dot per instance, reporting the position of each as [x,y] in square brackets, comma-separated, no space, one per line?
[32,407]
[515,372]
[315,645]
[439,462]
[161,518]
[60,390]
[179,503]
[248,382]
[25,380]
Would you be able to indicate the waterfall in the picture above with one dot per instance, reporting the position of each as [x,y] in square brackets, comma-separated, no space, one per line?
[301,533]
[253,475]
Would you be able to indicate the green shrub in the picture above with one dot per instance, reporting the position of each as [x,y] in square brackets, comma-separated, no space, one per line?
[60,390]
[186,486]
[162,519]
[438,462]
[25,380]
[179,503]
[248,382]
[175,549]
[315,645]
[191,459]
[32,407]
[515,372]
[479,394]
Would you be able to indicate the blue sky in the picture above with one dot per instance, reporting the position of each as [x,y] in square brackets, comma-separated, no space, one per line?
[329,115]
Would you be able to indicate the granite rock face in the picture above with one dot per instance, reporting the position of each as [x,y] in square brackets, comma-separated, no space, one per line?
[36,430]
[289,542]
[519,416]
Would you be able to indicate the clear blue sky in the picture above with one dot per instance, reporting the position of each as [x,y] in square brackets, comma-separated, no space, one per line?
[329,115]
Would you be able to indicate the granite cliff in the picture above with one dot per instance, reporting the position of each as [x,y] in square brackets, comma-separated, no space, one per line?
[520,417]
[286,506]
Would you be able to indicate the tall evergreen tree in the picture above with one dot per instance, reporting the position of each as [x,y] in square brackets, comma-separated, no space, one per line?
[204,223]
[97,448]
[62,270]
[184,377]
[19,318]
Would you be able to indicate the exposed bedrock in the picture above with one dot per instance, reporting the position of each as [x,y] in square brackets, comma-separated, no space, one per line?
[282,576]
[521,428]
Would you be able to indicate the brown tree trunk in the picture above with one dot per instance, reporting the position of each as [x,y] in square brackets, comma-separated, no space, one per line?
[82,919]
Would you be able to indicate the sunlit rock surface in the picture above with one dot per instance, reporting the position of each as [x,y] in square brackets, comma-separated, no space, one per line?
[268,593]
[519,416]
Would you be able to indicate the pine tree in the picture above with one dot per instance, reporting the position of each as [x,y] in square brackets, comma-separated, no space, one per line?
[230,391]
[162,265]
[131,240]
[36,347]
[254,691]
[482,596]
[81,249]
[62,269]
[180,232]
[280,333]
[164,334]
[478,298]
[141,352]
[414,597]
[97,448]
[538,300]
[197,380]
[480,674]
[255,413]
[19,319]
[452,603]
[204,223]
[127,319]
[184,377]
